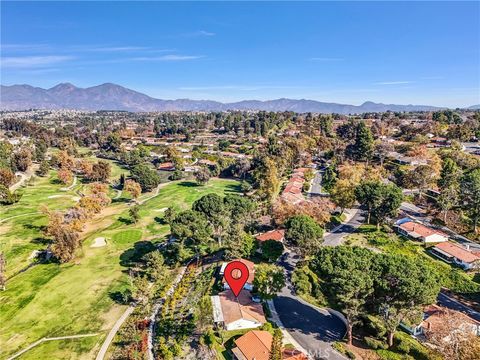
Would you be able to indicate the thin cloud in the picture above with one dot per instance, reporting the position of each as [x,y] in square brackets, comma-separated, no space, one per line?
[119,48]
[201,33]
[326,59]
[198,33]
[168,58]
[33,61]
[24,47]
[403,82]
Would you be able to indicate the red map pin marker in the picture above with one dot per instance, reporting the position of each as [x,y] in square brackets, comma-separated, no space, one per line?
[236,275]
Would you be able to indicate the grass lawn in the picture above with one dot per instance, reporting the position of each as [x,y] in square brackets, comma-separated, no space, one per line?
[75,298]
[21,223]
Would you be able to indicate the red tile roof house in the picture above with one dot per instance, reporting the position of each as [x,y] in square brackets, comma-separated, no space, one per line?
[256,345]
[456,254]
[251,274]
[167,166]
[420,232]
[236,313]
[277,235]
[432,320]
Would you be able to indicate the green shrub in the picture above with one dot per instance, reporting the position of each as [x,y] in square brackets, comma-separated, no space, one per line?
[350,354]
[378,238]
[301,280]
[375,343]
[403,347]
[340,347]
[405,344]
[374,326]
[390,355]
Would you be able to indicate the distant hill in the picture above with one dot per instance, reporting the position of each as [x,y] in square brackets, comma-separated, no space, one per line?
[474,107]
[115,97]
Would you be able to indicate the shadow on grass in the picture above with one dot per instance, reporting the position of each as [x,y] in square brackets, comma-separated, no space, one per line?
[125,221]
[41,240]
[133,255]
[121,297]
[233,188]
[188,184]
[160,220]
[120,200]
[34,227]
[56,181]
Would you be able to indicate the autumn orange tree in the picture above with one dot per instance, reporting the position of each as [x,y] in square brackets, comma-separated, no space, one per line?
[65,175]
[65,235]
[133,188]
[318,209]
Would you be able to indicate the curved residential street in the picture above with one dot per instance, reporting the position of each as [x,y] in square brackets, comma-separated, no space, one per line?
[313,328]
[335,237]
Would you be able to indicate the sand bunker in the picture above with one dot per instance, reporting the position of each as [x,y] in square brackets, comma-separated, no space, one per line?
[99,242]
[76,198]
[161,210]
[57,196]
[34,254]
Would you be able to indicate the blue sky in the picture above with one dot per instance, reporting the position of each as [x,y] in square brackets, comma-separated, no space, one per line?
[347,52]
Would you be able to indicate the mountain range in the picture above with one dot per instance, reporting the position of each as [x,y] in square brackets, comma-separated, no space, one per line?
[115,97]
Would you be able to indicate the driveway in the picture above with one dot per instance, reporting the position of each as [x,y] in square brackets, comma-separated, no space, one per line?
[335,237]
[313,328]
[453,304]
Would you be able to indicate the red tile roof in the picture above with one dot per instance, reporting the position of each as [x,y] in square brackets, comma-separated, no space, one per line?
[251,270]
[276,235]
[241,307]
[422,230]
[293,355]
[255,345]
[457,251]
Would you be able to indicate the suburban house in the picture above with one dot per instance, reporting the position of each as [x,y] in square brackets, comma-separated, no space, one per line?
[277,235]
[236,313]
[293,191]
[420,232]
[456,254]
[251,274]
[256,345]
[166,166]
[432,320]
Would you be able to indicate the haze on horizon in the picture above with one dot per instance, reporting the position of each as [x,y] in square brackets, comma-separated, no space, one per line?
[343,52]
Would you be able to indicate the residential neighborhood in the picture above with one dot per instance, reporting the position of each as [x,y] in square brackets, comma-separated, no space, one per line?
[240,180]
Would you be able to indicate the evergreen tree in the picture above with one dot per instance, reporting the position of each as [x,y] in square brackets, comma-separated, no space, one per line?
[276,347]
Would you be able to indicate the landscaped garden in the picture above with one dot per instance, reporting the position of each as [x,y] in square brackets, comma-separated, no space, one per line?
[83,289]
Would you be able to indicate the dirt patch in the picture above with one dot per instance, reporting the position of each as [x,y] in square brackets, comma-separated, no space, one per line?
[99,242]
[102,220]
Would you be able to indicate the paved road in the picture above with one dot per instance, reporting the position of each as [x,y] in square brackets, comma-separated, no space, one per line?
[453,304]
[414,212]
[335,237]
[316,184]
[313,328]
